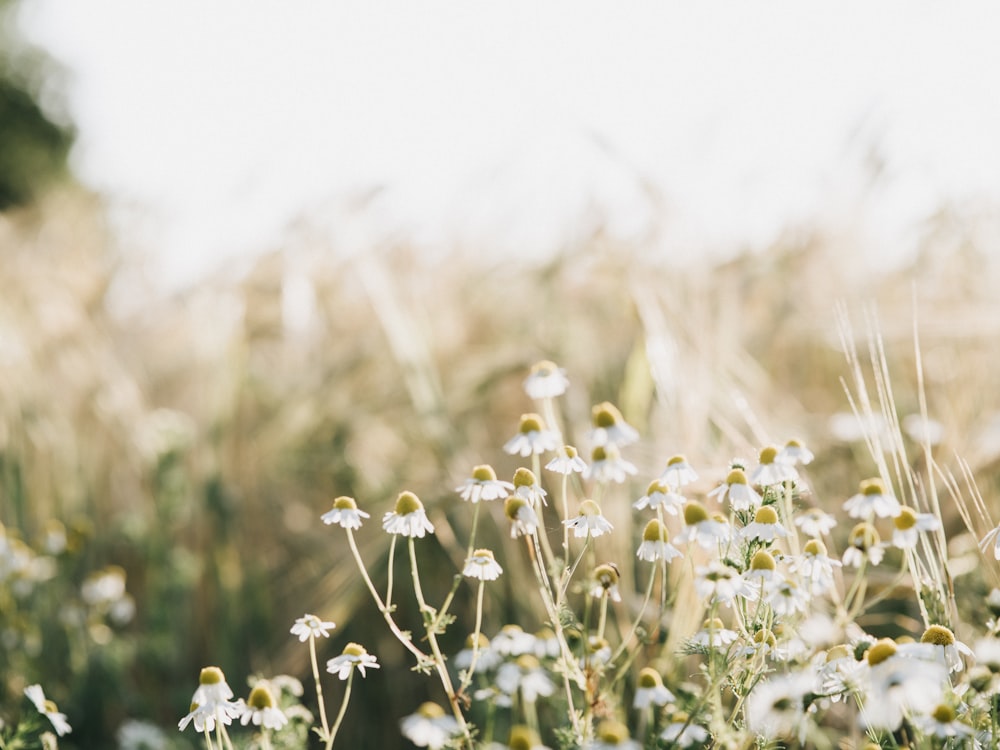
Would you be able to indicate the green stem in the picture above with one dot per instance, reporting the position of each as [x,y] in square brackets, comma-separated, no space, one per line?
[392,565]
[341,712]
[475,639]
[319,686]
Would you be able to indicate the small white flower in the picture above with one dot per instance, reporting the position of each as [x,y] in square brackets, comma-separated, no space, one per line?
[719,583]
[765,525]
[211,702]
[654,545]
[522,517]
[589,522]
[714,634]
[261,711]
[737,488]
[708,532]
[787,598]
[310,626]
[944,647]
[546,380]
[429,727]
[567,462]
[527,675]
[678,473]
[864,544]
[908,524]
[776,707]
[607,465]
[898,685]
[532,438]
[650,691]
[943,724]
[409,518]
[794,453]
[611,735]
[484,485]
[659,495]
[770,471]
[354,655]
[610,427]
[344,513]
[606,579]
[681,731]
[526,485]
[814,567]
[815,522]
[48,709]
[513,641]
[482,565]
[872,500]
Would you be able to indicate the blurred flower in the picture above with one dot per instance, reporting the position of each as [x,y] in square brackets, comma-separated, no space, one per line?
[140,735]
[261,709]
[568,462]
[815,522]
[522,517]
[659,495]
[650,691]
[311,626]
[606,579]
[945,647]
[921,430]
[794,452]
[814,567]
[48,709]
[612,735]
[607,465]
[526,675]
[683,732]
[483,485]
[655,545]
[482,565]
[864,543]
[678,473]
[943,724]
[610,427]
[908,523]
[546,380]
[354,655]
[872,500]
[589,522]
[526,485]
[211,702]
[898,685]
[513,641]
[699,527]
[770,471]
[532,437]
[736,487]
[409,518]
[487,657]
[714,634]
[776,707]
[718,583]
[345,513]
[429,726]
[765,526]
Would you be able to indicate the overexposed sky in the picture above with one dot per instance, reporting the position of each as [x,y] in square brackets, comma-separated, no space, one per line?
[514,124]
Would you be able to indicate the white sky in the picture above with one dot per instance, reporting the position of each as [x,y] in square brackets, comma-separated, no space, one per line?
[507,123]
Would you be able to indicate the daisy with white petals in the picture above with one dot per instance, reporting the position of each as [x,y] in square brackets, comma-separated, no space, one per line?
[765,526]
[48,709]
[737,488]
[409,517]
[567,462]
[522,517]
[678,472]
[547,380]
[261,709]
[655,544]
[770,471]
[311,626]
[532,437]
[345,513]
[659,495]
[610,427]
[484,485]
[607,465]
[908,524]
[429,726]
[353,656]
[872,500]
[482,565]
[589,522]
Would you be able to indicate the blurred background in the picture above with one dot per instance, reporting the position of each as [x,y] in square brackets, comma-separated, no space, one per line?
[252,258]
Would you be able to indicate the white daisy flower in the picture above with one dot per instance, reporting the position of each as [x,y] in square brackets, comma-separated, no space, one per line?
[737,488]
[567,462]
[946,648]
[770,471]
[610,427]
[765,526]
[532,438]
[655,545]
[48,709]
[776,707]
[897,686]
[487,657]
[794,453]
[787,598]
[607,465]
[987,653]
[522,517]
[650,691]
[484,485]
[409,518]
[815,522]
[708,532]
[943,724]
[547,644]
[659,495]
[429,727]
[606,579]
[311,626]
[872,500]
[611,735]
[589,522]
[864,543]
[908,524]
[354,655]
[814,567]
[261,710]
[526,675]
[714,634]
[513,641]
[678,473]
[546,380]
[841,675]
[526,485]
[718,583]
[204,718]
[211,702]
[683,732]
[345,513]
[482,565]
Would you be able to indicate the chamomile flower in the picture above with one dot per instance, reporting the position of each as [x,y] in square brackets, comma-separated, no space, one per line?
[737,488]
[409,517]
[947,650]
[765,526]
[786,597]
[532,438]
[872,500]
[841,675]
[908,523]
[211,702]
[429,726]
[683,732]
[48,709]
[311,626]
[522,517]
[567,462]
[523,738]
[606,579]
[484,485]
[678,472]
[482,565]
[525,674]
[610,427]
[659,495]
[814,567]
[513,641]
[650,690]
[607,465]
[487,657]
[794,453]
[864,543]
[589,522]
[763,571]
[718,583]
[943,723]
[815,522]
[547,380]
[776,707]
[770,471]
[612,735]
[699,527]
[714,634]
[353,656]
[897,686]
[526,485]
[345,513]
[655,543]
[261,709]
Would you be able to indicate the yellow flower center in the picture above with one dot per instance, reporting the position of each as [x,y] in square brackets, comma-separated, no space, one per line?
[211,676]
[944,714]
[654,532]
[345,503]
[736,476]
[906,519]
[589,508]
[765,636]
[522,738]
[430,710]
[531,423]
[544,367]
[656,486]
[814,547]
[570,451]
[939,635]
[838,652]
[766,514]
[408,503]
[512,506]
[606,415]
[674,460]
[524,478]
[872,486]
[863,536]
[612,732]
[484,473]
[767,455]
[649,678]
[483,553]
[260,697]
[880,651]
[762,560]
[354,649]
[607,575]
[694,512]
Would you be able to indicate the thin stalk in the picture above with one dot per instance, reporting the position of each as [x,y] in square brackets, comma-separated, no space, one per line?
[341,712]
[475,639]
[319,686]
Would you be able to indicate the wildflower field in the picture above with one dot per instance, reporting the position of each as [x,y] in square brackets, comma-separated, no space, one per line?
[412,499]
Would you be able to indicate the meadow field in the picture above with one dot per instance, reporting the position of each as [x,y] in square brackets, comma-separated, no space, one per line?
[166,458]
